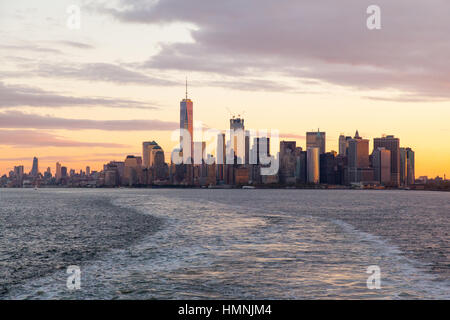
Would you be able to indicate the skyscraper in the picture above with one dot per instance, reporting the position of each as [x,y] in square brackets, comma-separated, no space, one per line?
[35,168]
[146,152]
[58,174]
[407,167]
[301,165]
[18,173]
[312,163]
[328,168]
[393,145]
[343,144]
[239,140]
[221,149]
[316,140]
[403,164]
[220,156]
[381,161]
[410,167]
[358,160]
[132,170]
[158,163]
[63,172]
[288,161]
[187,120]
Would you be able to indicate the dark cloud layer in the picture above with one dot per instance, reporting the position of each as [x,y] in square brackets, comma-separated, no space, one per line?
[25,96]
[30,48]
[16,119]
[99,72]
[76,44]
[31,138]
[321,40]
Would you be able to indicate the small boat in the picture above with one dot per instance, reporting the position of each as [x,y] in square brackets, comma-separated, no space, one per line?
[248,187]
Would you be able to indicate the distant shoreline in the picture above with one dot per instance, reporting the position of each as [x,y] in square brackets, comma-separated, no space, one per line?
[230,187]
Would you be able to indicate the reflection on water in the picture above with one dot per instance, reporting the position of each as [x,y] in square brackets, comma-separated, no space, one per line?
[212,244]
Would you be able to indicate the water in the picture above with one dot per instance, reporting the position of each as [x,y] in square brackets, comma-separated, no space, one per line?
[224,244]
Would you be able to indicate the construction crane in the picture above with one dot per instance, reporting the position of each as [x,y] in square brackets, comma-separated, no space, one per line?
[233,115]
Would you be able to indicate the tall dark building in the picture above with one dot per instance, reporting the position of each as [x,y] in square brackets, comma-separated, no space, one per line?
[35,168]
[287,162]
[410,168]
[407,166]
[381,162]
[393,145]
[329,171]
[63,172]
[301,167]
[187,120]
[358,160]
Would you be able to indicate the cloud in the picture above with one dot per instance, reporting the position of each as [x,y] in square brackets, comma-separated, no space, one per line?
[16,119]
[99,72]
[21,96]
[73,158]
[31,138]
[32,48]
[327,41]
[250,85]
[75,44]
[292,136]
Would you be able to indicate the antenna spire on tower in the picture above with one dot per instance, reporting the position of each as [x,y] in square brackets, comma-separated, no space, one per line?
[186,89]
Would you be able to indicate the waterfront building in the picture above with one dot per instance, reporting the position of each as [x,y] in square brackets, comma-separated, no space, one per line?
[381,162]
[407,167]
[133,170]
[58,173]
[359,170]
[328,168]
[312,161]
[187,123]
[393,145]
[301,168]
[343,144]
[63,172]
[35,168]
[288,162]
[147,147]
[241,175]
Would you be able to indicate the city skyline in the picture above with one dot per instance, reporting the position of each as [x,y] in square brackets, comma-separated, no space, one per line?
[312,139]
[79,98]
[241,157]
[360,165]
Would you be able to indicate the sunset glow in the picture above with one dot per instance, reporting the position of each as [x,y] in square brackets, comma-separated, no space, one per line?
[125,66]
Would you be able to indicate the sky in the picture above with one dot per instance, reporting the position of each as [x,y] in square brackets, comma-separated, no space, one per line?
[89,95]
